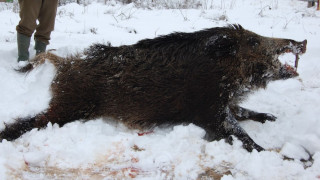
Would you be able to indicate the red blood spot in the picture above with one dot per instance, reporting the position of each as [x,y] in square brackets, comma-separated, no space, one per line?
[145,133]
[133,172]
[134,160]
[291,69]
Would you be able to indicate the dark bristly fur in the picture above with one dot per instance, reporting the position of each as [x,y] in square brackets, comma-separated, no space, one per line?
[195,78]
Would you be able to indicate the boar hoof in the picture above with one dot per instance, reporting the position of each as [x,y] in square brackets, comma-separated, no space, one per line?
[247,143]
[250,145]
[229,140]
[267,117]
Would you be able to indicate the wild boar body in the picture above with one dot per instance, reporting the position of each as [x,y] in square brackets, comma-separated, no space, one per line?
[179,78]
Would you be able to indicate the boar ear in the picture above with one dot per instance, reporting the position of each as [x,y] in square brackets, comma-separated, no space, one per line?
[221,45]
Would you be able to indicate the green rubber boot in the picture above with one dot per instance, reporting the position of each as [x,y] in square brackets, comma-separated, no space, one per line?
[40,47]
[23,47]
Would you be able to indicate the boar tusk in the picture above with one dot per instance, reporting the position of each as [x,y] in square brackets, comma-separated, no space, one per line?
[296,61]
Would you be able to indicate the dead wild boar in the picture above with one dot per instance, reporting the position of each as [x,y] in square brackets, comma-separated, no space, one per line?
[179,78]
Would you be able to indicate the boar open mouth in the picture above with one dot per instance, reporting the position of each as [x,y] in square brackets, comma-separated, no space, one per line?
[296,48]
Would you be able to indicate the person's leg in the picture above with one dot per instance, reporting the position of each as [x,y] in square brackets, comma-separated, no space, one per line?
[46,24]
[29,11]
[23,42]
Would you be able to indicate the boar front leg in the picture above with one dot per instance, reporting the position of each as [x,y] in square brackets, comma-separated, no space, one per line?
[223,125]
[241,114]
[232,127]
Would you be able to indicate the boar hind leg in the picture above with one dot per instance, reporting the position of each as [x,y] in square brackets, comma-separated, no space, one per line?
[56,113]
[241,114]
[22,125]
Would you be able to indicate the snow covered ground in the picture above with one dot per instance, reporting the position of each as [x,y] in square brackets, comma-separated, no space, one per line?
[103,149]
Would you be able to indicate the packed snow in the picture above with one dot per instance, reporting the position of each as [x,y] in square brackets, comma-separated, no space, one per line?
[105,149]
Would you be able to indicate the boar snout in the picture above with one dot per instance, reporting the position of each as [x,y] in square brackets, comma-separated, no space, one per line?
[297,48]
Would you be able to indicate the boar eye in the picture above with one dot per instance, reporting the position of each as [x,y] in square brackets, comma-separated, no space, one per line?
[252,41]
